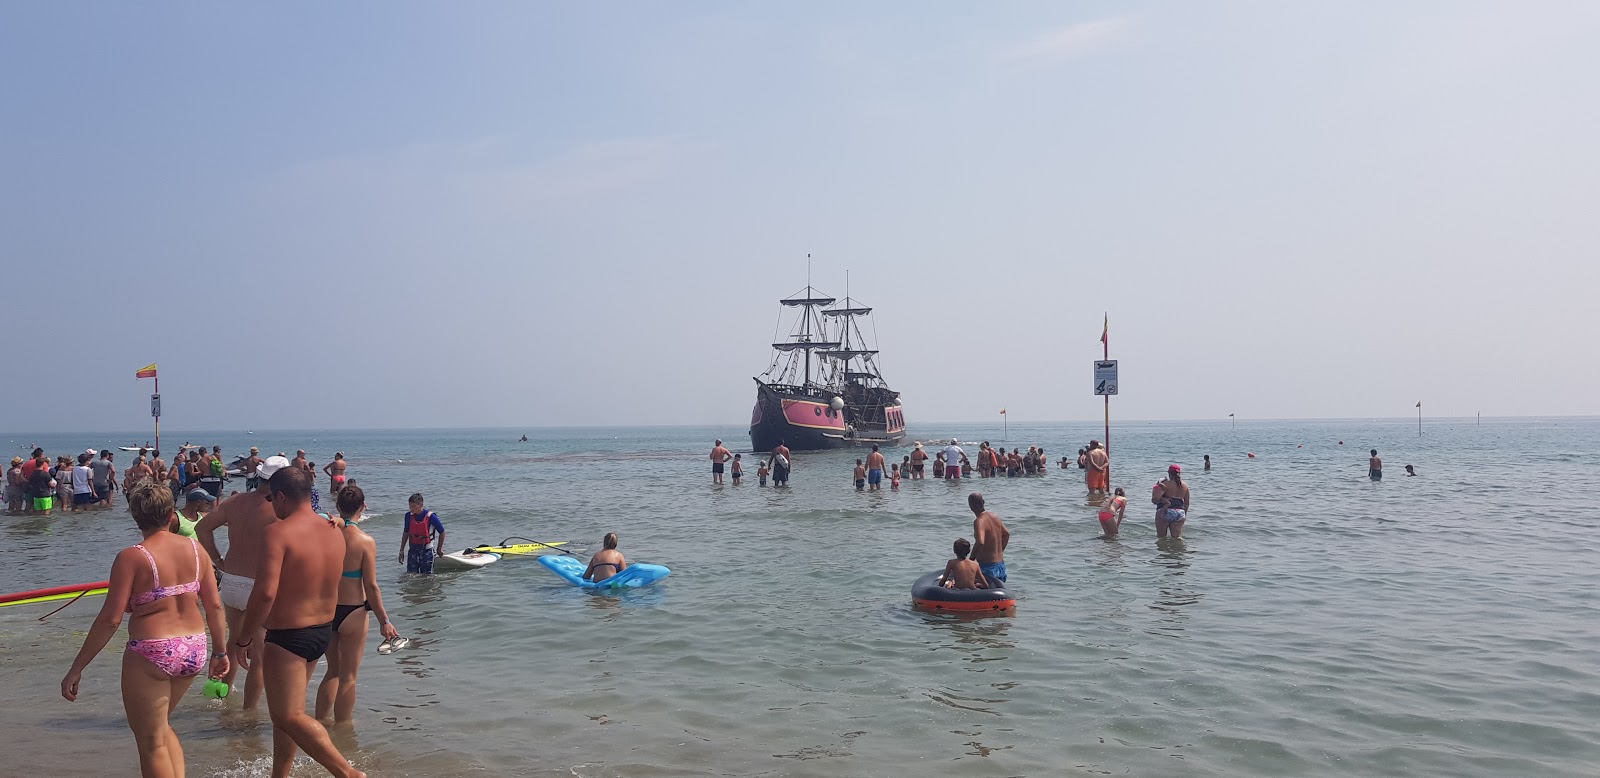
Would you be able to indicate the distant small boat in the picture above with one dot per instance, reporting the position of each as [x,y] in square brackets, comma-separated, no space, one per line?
[133,448]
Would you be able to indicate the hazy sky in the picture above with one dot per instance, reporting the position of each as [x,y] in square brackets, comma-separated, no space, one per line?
[404,214]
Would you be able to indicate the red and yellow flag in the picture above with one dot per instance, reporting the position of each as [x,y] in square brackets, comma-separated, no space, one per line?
[148,371]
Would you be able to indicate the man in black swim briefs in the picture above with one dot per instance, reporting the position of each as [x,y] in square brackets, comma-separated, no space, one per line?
[296,598]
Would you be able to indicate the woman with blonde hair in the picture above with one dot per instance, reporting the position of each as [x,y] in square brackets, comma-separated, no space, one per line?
[167,642]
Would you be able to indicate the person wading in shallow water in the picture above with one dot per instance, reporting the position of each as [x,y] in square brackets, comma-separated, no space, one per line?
[719,459]
[166,586]
[1172,504]
[247,517]
[296,598]
[780,464]
[990,538]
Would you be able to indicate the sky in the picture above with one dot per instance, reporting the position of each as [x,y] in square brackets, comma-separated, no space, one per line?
[370,215]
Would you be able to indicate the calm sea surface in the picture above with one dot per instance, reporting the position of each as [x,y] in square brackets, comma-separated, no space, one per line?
[1313,624]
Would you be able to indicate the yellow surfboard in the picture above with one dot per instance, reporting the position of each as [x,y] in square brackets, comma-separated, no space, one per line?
[521,548]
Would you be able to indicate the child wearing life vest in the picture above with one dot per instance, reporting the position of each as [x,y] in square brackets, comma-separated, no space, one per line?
[421,527]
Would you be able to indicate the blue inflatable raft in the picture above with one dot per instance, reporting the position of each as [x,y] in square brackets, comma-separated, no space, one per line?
[572,569]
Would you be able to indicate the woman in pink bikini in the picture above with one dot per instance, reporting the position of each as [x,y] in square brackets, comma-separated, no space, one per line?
[167,643]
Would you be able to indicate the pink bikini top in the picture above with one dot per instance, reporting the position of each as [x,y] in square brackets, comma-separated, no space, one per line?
[162,592]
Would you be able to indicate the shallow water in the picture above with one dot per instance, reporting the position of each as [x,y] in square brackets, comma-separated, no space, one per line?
[1313,623]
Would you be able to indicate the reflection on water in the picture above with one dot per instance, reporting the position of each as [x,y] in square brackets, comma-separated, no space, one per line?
[38,525]
[1171,593]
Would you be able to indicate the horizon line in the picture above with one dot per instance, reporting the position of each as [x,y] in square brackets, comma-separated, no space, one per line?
[1223,420]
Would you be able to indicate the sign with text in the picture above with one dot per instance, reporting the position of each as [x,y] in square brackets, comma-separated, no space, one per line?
[155,405]
[1105,377]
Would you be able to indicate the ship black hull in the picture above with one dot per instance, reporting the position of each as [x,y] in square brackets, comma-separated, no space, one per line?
[769,427]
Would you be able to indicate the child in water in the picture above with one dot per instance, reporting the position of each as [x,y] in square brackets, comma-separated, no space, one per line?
[961,572]
[894,477]
[1111,514]
[861,476]
[762,472]
[737,471]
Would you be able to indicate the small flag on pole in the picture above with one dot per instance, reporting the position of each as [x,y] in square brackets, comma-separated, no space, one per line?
[1105,332]
[1419,403]
[148,371]
[1002,411]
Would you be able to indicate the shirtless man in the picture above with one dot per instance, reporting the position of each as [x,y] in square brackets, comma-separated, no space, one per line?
[158,467]
[251,481]
[295,599]
[247,517]
[780,463]
[875,469]
[301,464]
[335,473]
[1375,467]
[990,538]
[1099,472]
[719,457]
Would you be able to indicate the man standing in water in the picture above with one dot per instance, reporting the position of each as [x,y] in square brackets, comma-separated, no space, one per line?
[295,598]
[875,469]
[1375,467]
[952,461]
[719,459]
[780,465]
[990,538]
[247,517]
[251,480]
[1099,474]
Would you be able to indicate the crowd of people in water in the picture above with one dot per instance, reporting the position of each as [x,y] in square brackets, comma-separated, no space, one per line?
[297,584]
[38,485]
[294,586]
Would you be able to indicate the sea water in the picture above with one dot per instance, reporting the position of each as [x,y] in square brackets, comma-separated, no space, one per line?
[1312,622]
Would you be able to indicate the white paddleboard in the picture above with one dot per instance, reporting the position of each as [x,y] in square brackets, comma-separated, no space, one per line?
[464,560]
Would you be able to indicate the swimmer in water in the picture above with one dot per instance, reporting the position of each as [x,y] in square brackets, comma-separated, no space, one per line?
[961,572]
[1410,470]
[608,560]
[1208,463]
[1375,467]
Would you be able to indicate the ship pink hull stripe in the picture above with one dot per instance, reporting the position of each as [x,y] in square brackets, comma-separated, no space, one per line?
[804,414]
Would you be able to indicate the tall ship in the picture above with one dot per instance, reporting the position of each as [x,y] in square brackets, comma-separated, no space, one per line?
[824,389]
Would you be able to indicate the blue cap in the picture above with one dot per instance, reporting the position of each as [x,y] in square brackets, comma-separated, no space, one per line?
[199,495]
